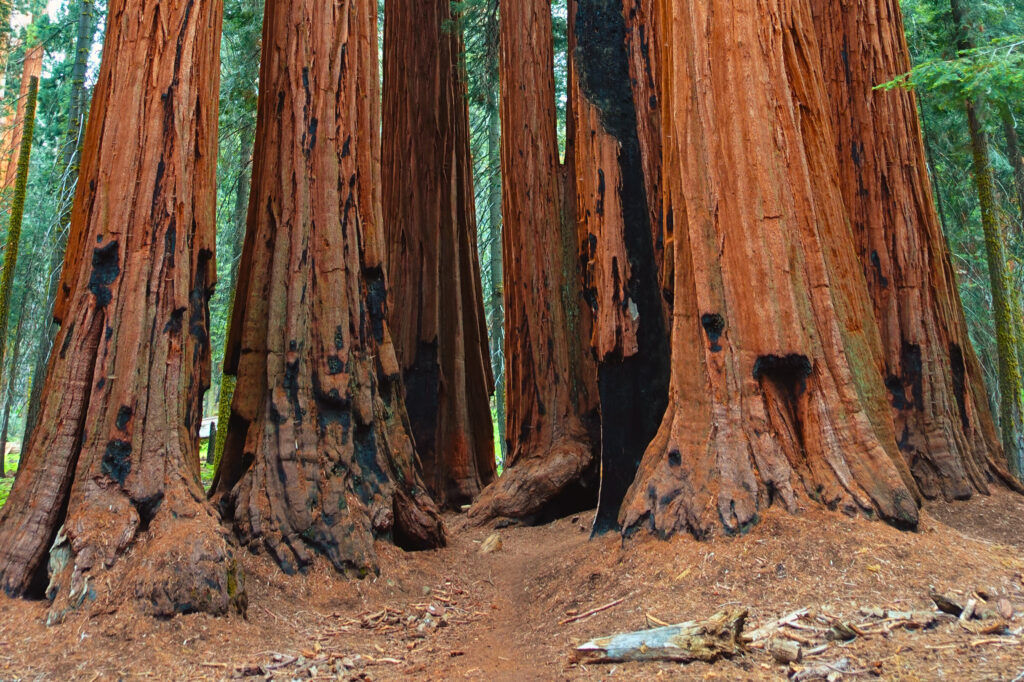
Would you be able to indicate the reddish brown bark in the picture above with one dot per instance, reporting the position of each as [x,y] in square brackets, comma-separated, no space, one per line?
[115,456]
[775,391]
[937,394]
[436,309]
[617,244]
[318,458]
[32,67]
[550,382]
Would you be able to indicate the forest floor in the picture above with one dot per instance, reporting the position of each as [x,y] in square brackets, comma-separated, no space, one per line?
[497,616]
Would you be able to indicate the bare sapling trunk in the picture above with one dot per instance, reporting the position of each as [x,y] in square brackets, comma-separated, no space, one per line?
[111,473]
[319,459]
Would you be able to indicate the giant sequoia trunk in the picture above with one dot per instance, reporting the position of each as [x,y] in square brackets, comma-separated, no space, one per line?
[550,382]
[617,244]
[318,458]
[937,395]
[775,390]
[436,308]
[112,470]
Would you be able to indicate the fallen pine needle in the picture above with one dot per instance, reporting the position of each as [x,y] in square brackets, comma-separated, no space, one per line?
[982,642]
[213,665]
[591,612]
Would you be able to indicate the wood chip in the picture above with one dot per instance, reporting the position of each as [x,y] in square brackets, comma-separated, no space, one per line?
[784,650]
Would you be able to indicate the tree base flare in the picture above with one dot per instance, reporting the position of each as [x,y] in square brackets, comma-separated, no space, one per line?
[533,487]
[181,562]
[780,443]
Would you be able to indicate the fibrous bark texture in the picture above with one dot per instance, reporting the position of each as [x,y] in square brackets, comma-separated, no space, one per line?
[436,308]
[617,247]
[319,458]
[939,405]
[550,382]
[111,473]
[775,392]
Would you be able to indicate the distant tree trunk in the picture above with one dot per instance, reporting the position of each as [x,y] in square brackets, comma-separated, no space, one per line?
[17,212]
[70,157]
[775,392]
[550,382]
[937,392]
[32,68]
[111,475]
[497,287]
[1011,388]
[436,308]
[1013,151]
[246,139]
[9,385]
[617,244]
[494,221]
[319,457]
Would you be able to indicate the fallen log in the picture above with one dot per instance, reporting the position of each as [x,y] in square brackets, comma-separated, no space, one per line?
[704,640]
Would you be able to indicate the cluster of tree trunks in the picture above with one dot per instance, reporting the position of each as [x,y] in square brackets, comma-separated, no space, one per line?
[436,296]
[733,292]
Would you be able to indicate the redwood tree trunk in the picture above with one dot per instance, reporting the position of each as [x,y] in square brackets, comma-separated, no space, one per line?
[775,391]
[112,469]
[436,309]
[32,67]
[319,457]
[550,382]
[617,245]
[937,394]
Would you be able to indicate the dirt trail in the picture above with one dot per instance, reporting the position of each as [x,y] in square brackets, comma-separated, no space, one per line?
[458,614]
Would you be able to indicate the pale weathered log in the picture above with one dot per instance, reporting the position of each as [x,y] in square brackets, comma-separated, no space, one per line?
[705,640]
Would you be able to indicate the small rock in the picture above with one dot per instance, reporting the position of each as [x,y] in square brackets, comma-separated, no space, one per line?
[1005,608]
[491,545]
[947,605]
[435,610]
[426,590]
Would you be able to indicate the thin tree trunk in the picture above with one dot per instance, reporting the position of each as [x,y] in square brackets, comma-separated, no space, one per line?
[10,382]
[1011,388]
[497,290]
[775,392]
[550,382]
[436,308]
[937,392]
[111,477]
[70,158]
[1016,161]
[32,68]
[319,458]
[17,212]
[246,139]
